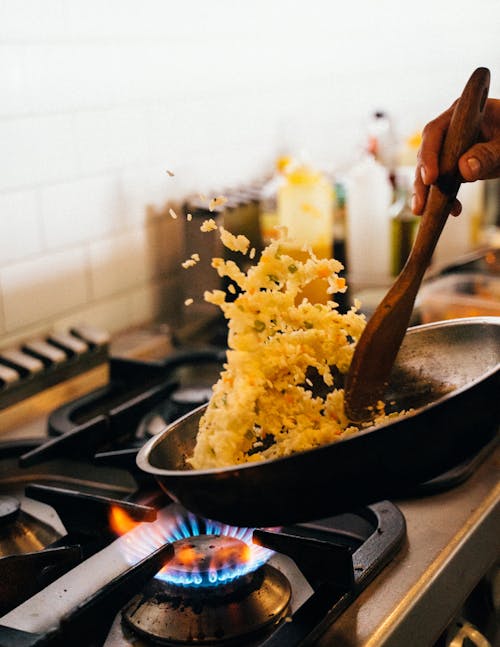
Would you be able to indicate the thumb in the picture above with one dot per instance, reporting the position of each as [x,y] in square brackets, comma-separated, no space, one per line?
[481,161]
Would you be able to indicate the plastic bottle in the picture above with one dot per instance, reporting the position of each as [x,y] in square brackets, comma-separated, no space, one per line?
[369,195]
[460,235]
[382,142]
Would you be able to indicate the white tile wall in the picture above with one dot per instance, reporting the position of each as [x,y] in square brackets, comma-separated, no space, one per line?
[31,20]
[99,99]
[36,289]
[119,263]
[36,150]
[162,299]
[20,230]
[82,210]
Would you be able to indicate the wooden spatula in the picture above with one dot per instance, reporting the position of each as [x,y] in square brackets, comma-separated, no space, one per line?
[378,346]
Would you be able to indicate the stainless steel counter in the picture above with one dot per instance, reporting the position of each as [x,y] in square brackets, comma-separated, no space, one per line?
[453,540]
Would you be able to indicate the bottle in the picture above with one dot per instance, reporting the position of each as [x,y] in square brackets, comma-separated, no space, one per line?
[382,142]
[369,196]
[461,235]
[404,224]
[407,156]
[339,221]
[305,208]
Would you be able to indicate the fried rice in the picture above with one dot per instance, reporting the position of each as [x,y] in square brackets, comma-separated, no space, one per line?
[264,404]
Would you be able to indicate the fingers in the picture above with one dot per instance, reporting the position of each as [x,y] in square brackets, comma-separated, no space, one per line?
[432,140]
[420,191]
[481,161]
[427,169]
[419,197]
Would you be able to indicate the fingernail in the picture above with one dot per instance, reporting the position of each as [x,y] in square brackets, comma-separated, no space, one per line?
[474,165]
[423,175]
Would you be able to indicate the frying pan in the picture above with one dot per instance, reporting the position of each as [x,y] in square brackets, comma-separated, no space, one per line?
[447,372]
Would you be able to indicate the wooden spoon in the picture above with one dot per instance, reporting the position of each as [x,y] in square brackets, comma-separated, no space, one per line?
[378,346]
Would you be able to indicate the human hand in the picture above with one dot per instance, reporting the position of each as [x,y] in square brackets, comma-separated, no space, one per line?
[480,162]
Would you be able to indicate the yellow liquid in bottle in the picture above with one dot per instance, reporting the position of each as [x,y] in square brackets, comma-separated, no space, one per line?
[305,208]
[268,223]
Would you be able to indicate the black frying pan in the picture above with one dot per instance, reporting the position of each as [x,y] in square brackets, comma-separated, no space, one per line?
[448,372]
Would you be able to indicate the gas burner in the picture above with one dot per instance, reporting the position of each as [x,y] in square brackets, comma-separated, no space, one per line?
[217,586]
[207,560]
[207,553]
[170,614]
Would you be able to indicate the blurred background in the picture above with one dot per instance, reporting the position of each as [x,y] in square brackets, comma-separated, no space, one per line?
[112,113]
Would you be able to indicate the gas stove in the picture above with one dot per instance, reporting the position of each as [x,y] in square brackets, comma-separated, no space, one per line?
[94,553]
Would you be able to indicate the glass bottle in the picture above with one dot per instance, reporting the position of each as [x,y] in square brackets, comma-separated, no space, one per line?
[305,208]
[404,225]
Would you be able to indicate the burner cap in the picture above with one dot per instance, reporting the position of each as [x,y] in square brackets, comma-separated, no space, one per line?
[9,509]
[173,615]
[206,560]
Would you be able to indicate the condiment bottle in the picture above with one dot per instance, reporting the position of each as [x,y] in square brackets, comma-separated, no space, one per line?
[404,224]
[382,142]
[305,208]
[369,195]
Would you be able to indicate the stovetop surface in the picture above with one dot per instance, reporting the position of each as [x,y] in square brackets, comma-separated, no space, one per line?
[451,543]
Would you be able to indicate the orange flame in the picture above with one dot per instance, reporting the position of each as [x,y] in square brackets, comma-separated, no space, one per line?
[121,522]
[225,556]
[186,556]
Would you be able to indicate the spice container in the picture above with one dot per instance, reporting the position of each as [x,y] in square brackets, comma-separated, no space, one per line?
[207,245]
[244,218]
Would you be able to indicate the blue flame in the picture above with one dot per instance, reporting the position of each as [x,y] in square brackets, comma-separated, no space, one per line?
[173,524]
